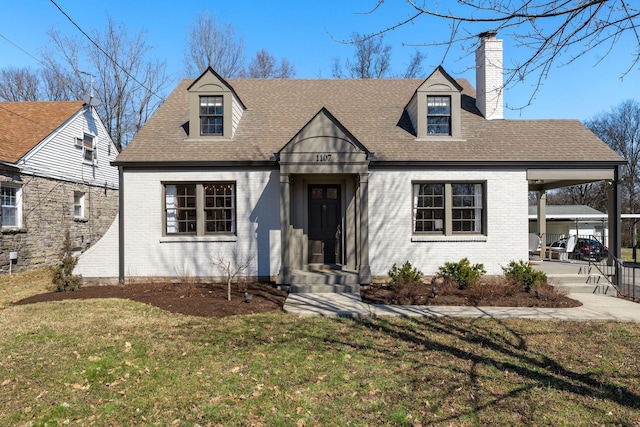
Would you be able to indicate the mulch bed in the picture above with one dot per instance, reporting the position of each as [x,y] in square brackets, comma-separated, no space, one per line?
[210,300]
[206,300]
[383,294]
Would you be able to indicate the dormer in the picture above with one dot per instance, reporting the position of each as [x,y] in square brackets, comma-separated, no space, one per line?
[435,107]
[214,107]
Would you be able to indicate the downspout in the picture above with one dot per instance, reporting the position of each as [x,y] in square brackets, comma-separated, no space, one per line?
[121,227]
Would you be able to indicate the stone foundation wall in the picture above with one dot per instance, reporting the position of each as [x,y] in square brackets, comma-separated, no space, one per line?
[47,213]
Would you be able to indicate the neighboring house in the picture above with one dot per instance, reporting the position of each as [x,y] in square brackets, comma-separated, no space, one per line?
[334,181]
[55,176]
[565,220]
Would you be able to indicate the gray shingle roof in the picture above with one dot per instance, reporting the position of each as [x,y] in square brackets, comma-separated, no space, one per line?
[373,111]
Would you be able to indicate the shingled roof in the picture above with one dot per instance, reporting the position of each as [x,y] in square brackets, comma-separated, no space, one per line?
[25,124]
[373,111]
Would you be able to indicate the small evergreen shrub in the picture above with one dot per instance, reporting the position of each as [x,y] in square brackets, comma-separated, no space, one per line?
[405,273]
[521,273]
[461,272]
[63,278]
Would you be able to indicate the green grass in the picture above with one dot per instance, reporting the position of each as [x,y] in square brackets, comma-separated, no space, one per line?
[116,362]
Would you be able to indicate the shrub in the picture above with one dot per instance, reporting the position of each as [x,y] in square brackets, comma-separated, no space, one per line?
[521,273]
[462,272]
[63,278]
[407,292]
[405,273]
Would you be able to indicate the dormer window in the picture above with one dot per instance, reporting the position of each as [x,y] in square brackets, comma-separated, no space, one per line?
[211,115]
[435,108]
[439,115]
[215,109]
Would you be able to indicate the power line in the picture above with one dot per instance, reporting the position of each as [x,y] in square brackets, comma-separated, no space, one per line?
[25,52]
[104,52]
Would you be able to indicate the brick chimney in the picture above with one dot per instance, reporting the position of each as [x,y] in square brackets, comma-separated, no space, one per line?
[489,81]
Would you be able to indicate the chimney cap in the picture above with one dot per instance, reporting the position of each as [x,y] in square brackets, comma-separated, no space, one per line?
[488,34]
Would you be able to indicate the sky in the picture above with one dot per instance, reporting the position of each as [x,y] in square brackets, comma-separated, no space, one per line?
[308,34]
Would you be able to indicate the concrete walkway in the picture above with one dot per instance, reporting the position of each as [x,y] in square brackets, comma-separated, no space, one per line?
[594,306]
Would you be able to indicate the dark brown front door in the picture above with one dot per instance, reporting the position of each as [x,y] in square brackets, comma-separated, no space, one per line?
[324,223]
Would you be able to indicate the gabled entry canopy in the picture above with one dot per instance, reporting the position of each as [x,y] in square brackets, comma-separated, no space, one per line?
[324,146]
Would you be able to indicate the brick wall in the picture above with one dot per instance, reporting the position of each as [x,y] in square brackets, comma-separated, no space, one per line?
[391,236]
[47,212]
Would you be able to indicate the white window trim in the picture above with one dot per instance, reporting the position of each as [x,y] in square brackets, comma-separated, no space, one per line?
[17,207]
[93,149]
[81,205]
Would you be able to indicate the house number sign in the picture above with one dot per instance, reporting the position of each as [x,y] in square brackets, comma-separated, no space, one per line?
[323,157]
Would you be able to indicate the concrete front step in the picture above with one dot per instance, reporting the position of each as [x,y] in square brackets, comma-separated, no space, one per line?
[324,280]
[301,288]
[583,283]
[326,277]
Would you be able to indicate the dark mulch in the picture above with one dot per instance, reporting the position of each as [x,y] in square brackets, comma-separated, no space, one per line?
[210,300]
[547,297]
[206,300]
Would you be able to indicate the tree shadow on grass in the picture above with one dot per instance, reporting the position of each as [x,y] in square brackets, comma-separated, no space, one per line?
[494,344]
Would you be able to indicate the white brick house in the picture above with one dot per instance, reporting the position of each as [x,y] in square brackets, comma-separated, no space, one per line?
[334,181]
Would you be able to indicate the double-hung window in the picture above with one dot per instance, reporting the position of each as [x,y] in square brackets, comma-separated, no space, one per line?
[78,205]
[219,208]
[448,208]
[466,209]
[439,115]
[211,115]
[89,152]
[429,207]
[11,206]
[200,208]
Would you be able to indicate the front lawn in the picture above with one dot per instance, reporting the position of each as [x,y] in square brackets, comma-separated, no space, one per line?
[118,362]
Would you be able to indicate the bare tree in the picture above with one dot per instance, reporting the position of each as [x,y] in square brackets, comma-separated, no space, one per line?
[372,60]
[232,267]
[19,84]
[593,194]
[124,80]
[620,129]
[552,31]
[265,66]
[213,44]
[414,69]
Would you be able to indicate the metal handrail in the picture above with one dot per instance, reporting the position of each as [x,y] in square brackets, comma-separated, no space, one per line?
[619,275]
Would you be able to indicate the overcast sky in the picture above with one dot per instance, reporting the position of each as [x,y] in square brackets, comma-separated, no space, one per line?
[305,32]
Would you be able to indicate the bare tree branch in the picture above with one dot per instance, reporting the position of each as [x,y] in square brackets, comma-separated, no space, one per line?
[551,30]
[214,44]
[264,66]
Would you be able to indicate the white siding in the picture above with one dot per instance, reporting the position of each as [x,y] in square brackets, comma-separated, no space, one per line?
[58,157]
[148,253]
[236,115]
[391,212]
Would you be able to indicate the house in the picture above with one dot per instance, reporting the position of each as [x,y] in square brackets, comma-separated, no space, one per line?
[55,176]
[331,182]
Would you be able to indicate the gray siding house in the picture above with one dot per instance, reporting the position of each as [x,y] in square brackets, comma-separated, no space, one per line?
[55,176]
[331,182]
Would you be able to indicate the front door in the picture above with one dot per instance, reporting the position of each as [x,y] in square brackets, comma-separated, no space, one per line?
[324,223]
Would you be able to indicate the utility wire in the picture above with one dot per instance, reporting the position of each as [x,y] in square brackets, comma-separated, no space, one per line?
[104,52]
[25,52]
